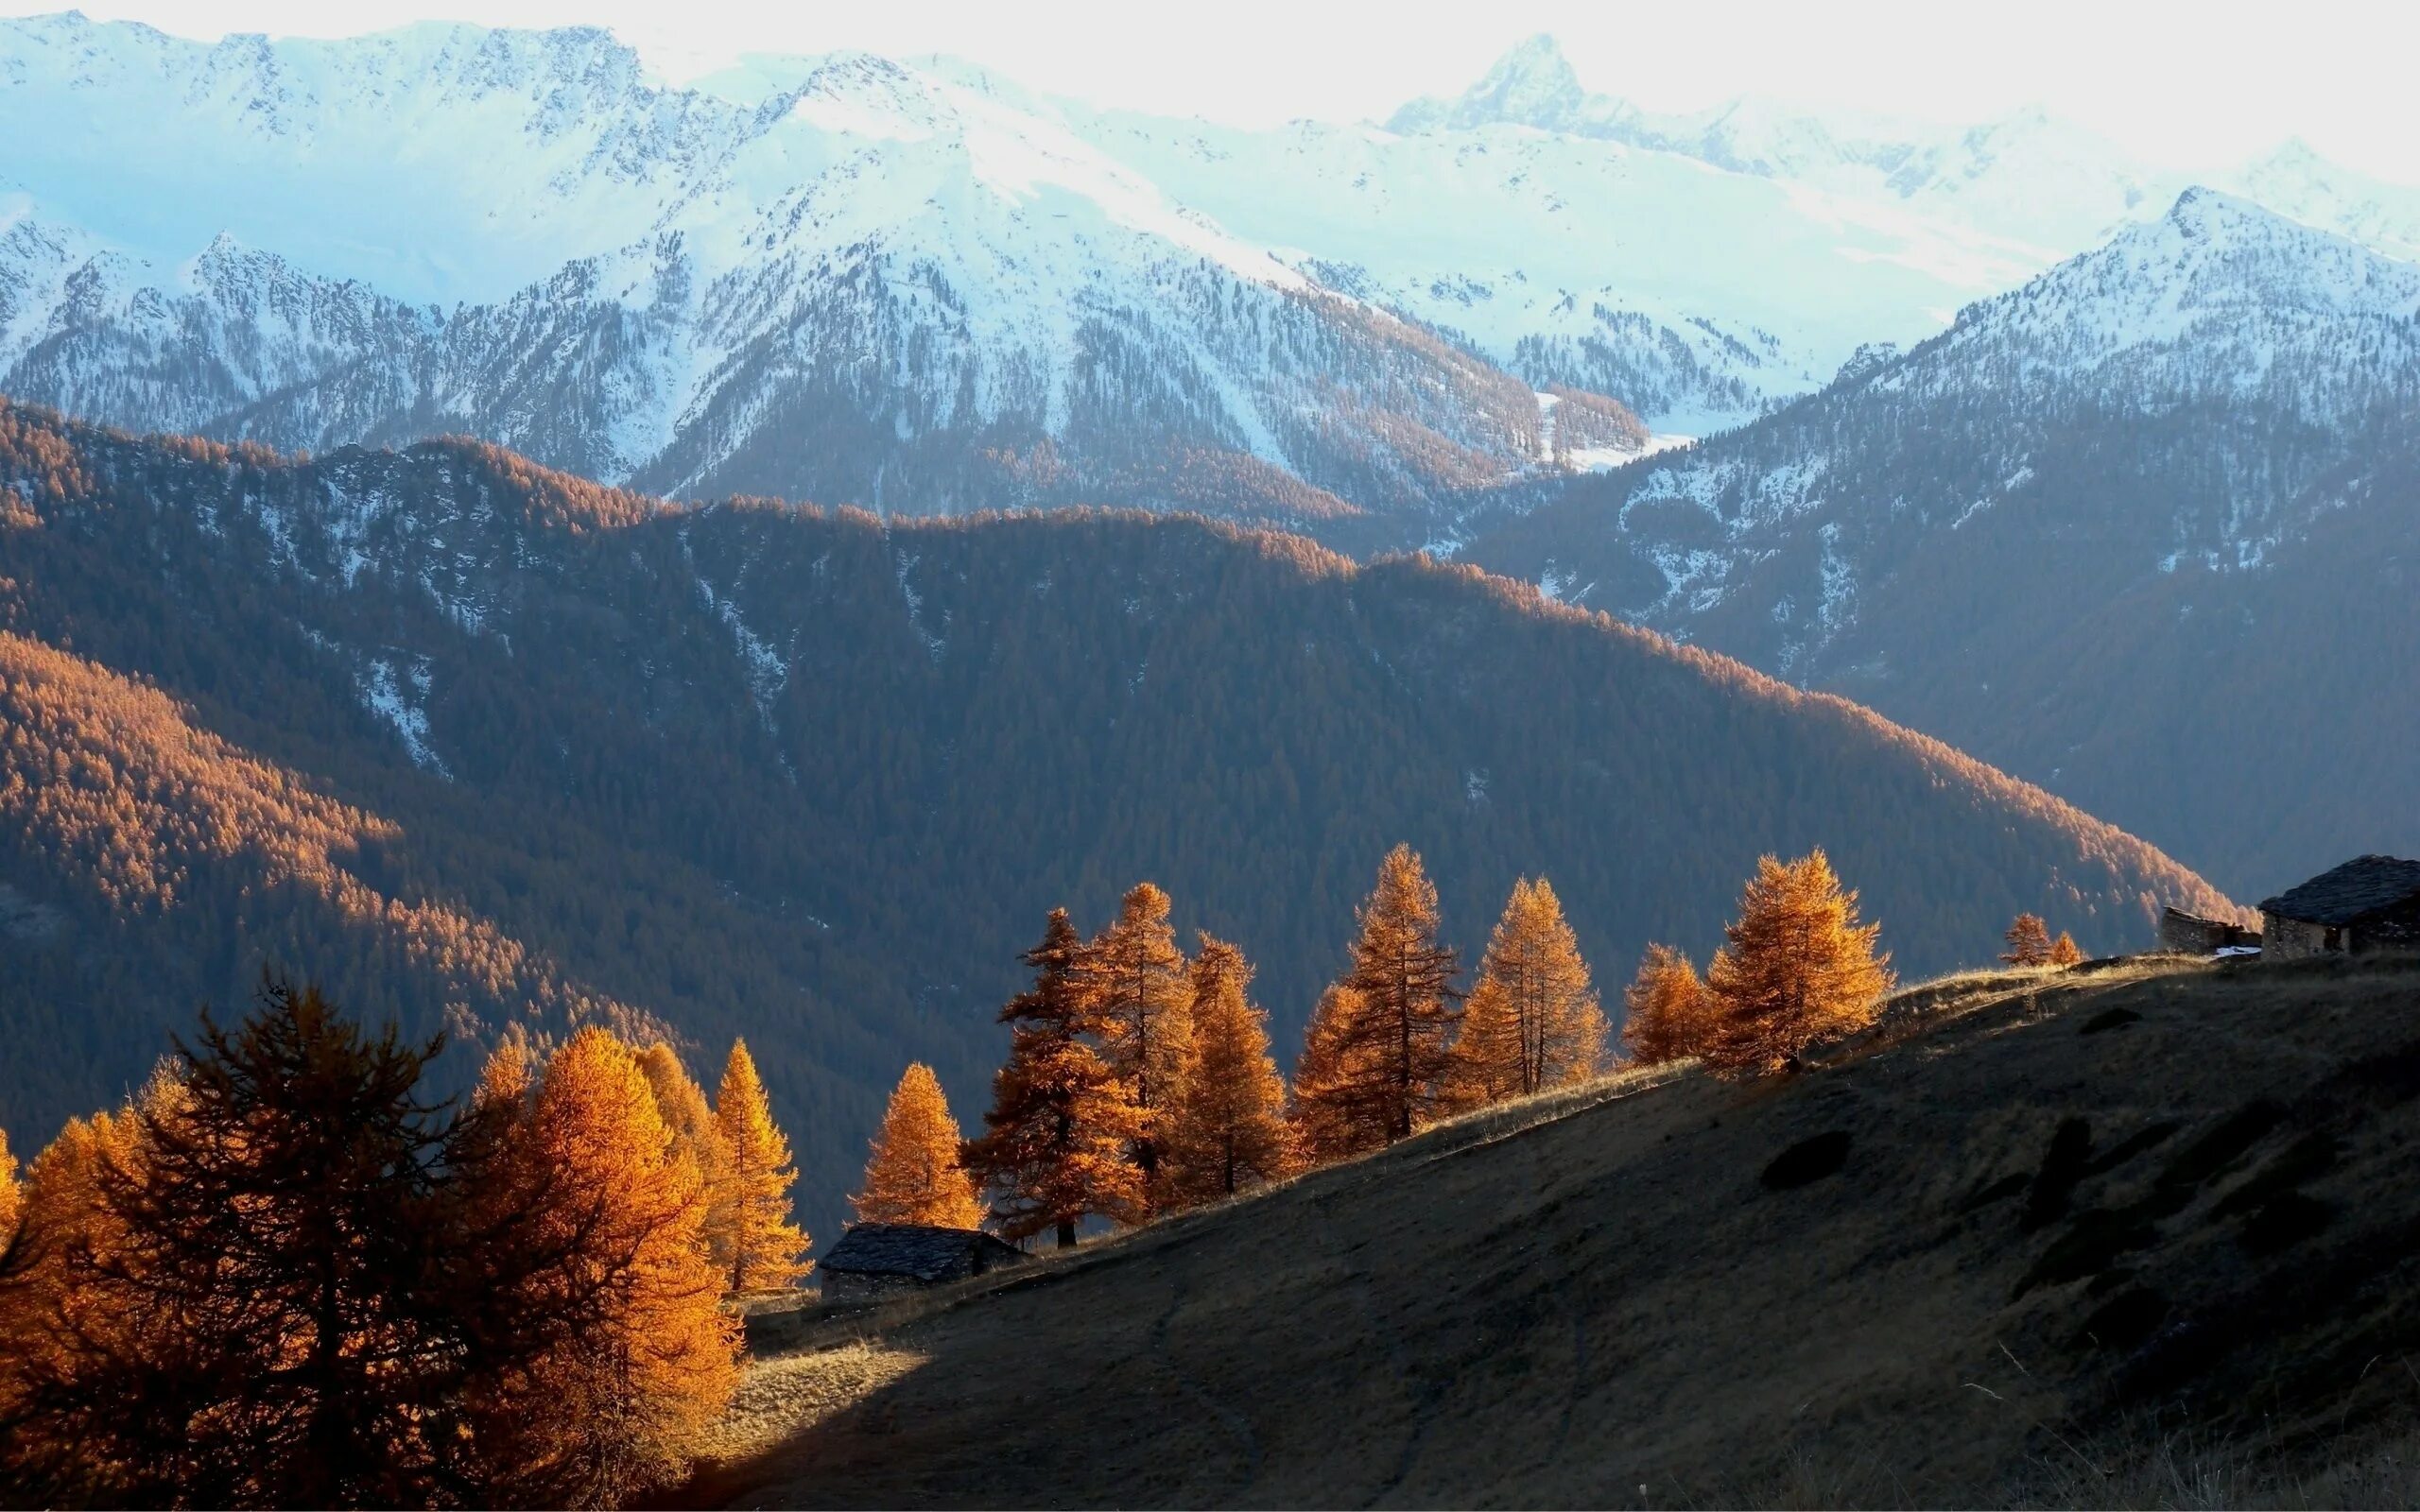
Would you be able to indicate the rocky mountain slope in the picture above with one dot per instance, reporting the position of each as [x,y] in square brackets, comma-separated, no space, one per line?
[2140,530]
[2083,1240]
[475,741]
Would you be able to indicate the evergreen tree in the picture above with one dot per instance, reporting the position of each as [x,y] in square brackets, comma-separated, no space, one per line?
[611,1405]
[1340,1106]
[2029,942]
[1666,1012]
[914,1174]
[1532,1020]
[2066,951]
[1230,1131]
[1405,981]
[1061,1122]
[765,1250]
[272,1250]
[1799,969]
[1142,998]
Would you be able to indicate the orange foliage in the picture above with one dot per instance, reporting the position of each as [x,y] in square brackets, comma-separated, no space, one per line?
[765,1250]
[2029,942]
[1799,971]
[1668,1014]
[2065,952]
[1229,1132]
[1403,981]
[1532,1021]
[1061,1123]
[618,1400]
[1334,1113]
[914,1174]
[1143,1003]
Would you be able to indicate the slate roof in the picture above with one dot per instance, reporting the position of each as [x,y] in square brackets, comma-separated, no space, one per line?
[2361,886]
[919,1250]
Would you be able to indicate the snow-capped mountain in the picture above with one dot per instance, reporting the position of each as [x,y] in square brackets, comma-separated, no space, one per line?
[915,286]
[2027,178]
[897,285]
[2104,516]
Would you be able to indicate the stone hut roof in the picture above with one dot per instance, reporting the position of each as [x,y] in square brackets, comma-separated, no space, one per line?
[920,1250]
[2361,886]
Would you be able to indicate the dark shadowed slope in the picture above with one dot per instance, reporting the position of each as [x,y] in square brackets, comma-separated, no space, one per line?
[816,779]
[1981,1266]
[2140,531]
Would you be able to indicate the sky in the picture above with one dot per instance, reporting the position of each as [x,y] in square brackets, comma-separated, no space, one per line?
[2182,86]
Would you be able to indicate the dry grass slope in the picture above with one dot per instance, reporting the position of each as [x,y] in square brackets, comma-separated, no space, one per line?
[2138,1235]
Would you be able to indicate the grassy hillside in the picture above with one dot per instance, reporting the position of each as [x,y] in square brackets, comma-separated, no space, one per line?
[2082,1238]
[815,778]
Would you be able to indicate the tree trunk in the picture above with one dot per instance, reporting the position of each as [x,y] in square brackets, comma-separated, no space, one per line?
[1067,1233]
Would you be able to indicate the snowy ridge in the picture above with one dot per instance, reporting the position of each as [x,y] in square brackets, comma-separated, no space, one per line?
[915,286]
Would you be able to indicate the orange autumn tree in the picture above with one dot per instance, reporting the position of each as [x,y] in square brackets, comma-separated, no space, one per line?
[618,1400]
[1799,969]
[2065,952]
[1666,1012]
[914,1174]
[1532,1020]
[1338,1104]
[1229,1132]
[1404,978]
[699,1133]
[1143,1003]
[54,1317]
[2029,942]
[1061,1122]
[280,1218]
[765,1250]
[11,1193]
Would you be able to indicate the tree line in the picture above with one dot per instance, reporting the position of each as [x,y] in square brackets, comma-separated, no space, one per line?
[282,1275]
[1139,1083]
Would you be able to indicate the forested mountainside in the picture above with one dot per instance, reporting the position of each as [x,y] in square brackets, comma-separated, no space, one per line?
[474,741]
[2141,531]
[916,287]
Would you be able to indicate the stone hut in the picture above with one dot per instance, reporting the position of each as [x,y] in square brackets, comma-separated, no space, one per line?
[879,1259]
[2192,935]
[2369,903]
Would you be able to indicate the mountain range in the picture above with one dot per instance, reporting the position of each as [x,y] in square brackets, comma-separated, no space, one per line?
[477,745]
[915,286]
[2140,530]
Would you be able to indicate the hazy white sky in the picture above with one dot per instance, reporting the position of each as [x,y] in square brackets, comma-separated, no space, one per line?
[2182,84]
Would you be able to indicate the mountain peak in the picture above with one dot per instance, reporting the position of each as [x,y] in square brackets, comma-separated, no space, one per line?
[1531,85]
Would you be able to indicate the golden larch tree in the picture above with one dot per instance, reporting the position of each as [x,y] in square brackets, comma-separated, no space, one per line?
[616,1404]
[1532,1020]
[1143,1002]
[765,1250]
[1229,1133]
[55,1312]
[2029,942]
[2065,952]
[1408,1004]
[696,1129]
[915,1173]
[1060,1133]
[1666,1013]
[1339,1107]
[504,1077]
[11,1193]
[1799,969]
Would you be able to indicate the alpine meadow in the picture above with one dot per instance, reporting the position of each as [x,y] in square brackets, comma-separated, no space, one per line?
[948,757]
